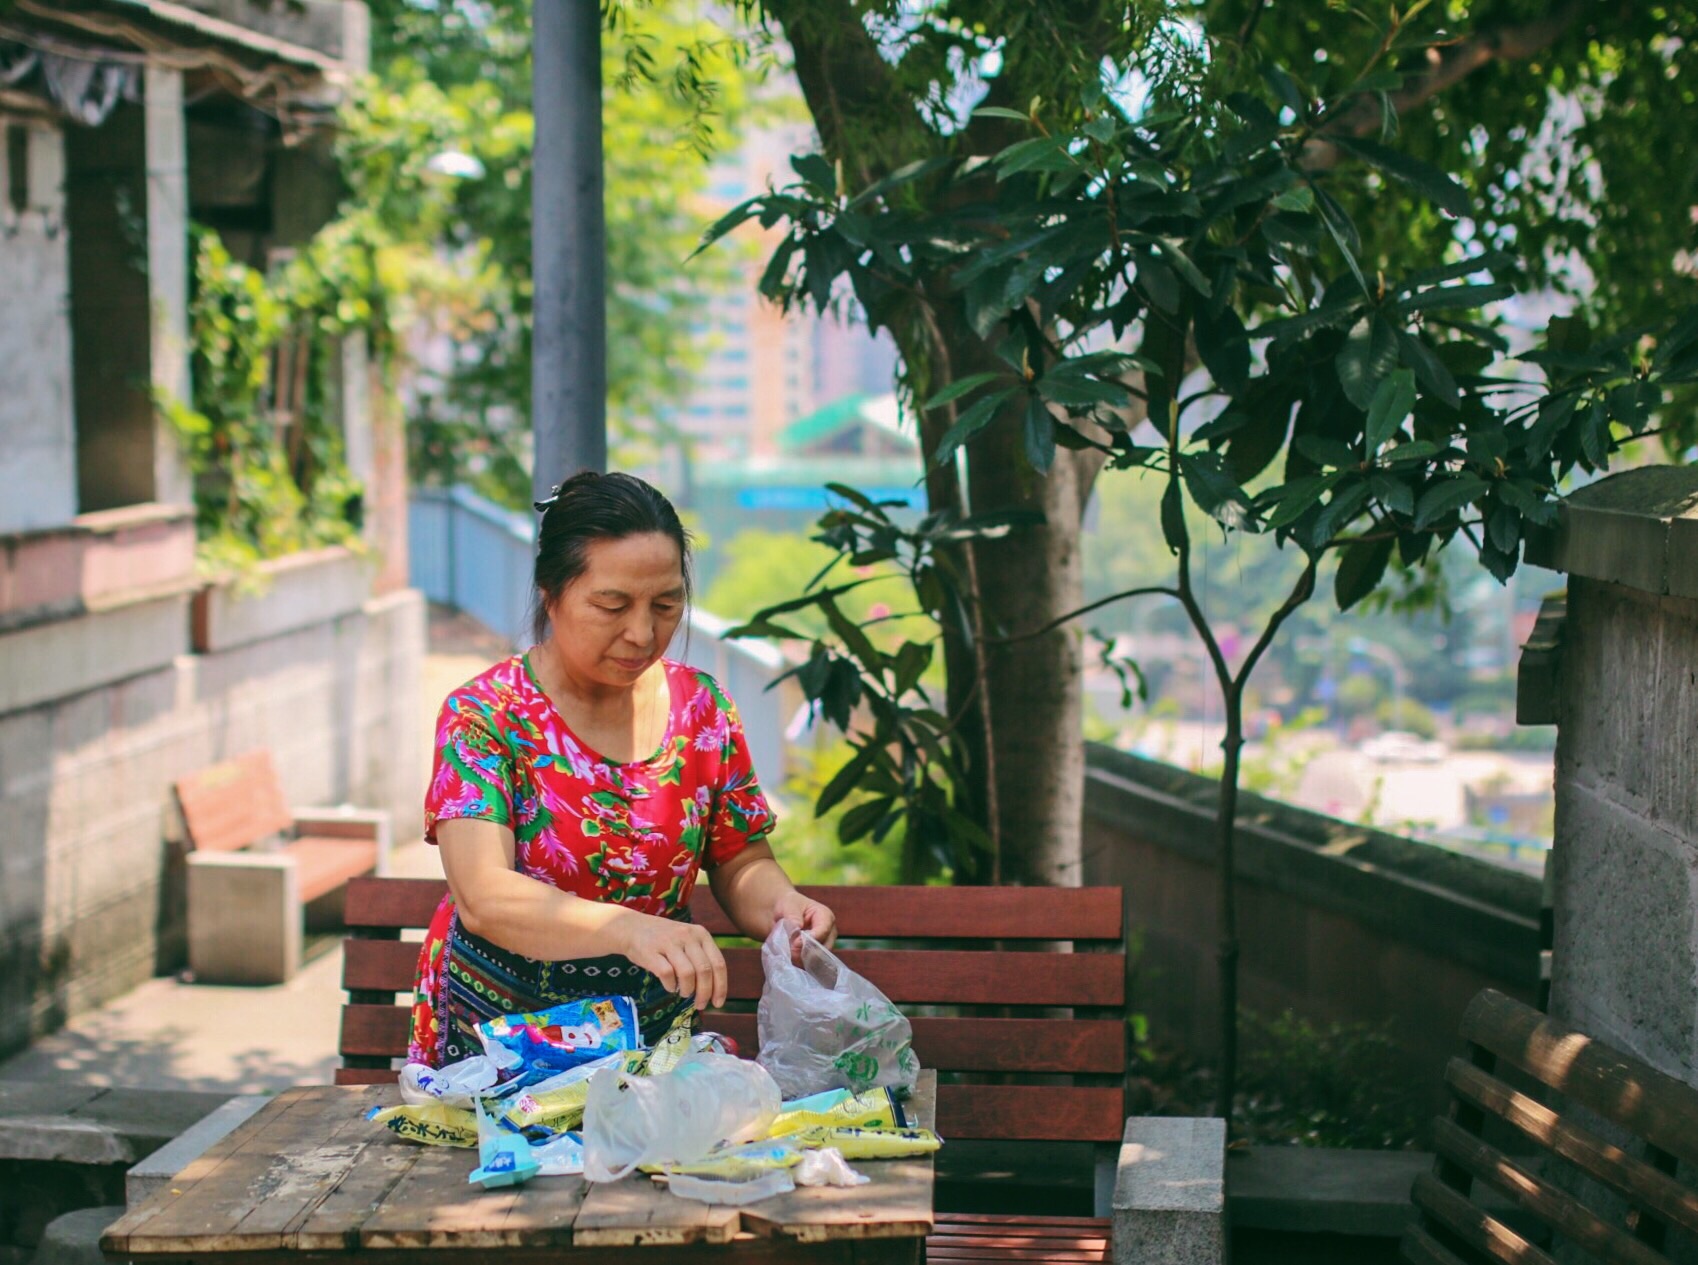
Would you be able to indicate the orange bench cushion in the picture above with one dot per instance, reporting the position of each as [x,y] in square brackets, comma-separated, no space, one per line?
[325,864]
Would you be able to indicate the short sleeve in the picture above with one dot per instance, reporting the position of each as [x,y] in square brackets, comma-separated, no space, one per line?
[473,773]
[740,814]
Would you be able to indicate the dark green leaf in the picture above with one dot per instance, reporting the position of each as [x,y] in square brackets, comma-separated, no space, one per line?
[1158,283]
[1393,493]
[978,416]
[1214,491]
[1469,296]
[1428,368]
[1224,347]
[955,390]
[1554,414]
[1360,568]
[1284,87]
[1369,354]
[1504,528]
[1173,515]
[1427,180]
[817,170]
[1000,112]
[1394,400]
[1347,501]
[1324,450]
[862,818]
[1183,265]
[1296,498]
[1039,435]
[1446,496]
[846,779]
[912,660]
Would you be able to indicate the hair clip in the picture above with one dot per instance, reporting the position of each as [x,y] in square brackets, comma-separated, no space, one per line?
[553,496]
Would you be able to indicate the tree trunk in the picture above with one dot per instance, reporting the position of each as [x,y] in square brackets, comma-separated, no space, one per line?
[1226,821]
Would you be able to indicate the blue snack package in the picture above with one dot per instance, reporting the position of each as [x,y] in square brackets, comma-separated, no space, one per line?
[531,1047]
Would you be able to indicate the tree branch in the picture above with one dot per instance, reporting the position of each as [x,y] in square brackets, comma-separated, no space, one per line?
[1058,621]
[1447,65]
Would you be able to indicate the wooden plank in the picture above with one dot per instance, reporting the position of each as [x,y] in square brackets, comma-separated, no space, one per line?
[324,864]
[1556,1208]
[1032,1113]
[383,966]
[233,805]
[1017,1251]
[334,1225]
[378,1030]
[1420,1248]
[954,913]
[983,1044]
[203,1208]
[637,1211]
[1479,1230]
[965,978]
[285,1197]
[392,902]
[435,1206]
[366,1076]
[1638,1181]
[1649,1104]
[962,1222]
[896,1202]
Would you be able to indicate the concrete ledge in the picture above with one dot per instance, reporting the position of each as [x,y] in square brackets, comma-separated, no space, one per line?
[1455,906]
[315,587]
[65,657]
[95,562]
[153,1174]
[74,1238]
[85,1124]
[1638,528]
[1320,1190]
[1536,692]
[1169,1192]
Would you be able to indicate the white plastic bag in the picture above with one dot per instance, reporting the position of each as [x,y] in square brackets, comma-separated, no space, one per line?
[676,1118]
[827,1167]
[824,1027]
[457,1085]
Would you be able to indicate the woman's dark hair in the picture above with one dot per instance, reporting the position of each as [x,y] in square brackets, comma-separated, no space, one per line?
[594,506]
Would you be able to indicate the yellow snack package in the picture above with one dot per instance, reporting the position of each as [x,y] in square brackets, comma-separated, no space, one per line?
[868,1144]
[430,1123]
[875,1109]
[558,1103]
[736,1163]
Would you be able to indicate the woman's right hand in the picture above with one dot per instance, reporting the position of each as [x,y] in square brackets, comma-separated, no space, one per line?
[681,955]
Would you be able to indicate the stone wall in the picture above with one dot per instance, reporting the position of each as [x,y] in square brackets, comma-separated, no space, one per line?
[1622,685]
[38,453]
[1337,923]
[91,867]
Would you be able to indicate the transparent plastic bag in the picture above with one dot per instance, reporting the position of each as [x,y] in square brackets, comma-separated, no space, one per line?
[675,1118]
[457,1085]
[735,1193]
[824,1027]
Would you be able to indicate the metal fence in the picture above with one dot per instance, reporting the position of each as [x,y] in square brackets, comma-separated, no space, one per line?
[473,555]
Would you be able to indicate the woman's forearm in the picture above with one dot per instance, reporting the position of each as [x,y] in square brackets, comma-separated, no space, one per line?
[748,888]
[517,912]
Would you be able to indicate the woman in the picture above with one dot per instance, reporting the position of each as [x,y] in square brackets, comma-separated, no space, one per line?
[581,787]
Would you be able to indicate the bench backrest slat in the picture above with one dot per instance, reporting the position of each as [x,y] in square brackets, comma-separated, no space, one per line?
[1550,1149]
[233,805]
[963,972]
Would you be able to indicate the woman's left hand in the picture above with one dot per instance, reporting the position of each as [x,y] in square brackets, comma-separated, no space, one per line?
[811,916]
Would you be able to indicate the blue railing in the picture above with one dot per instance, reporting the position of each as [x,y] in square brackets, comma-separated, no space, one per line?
[470,554]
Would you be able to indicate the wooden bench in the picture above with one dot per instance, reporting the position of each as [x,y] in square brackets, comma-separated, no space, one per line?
[255,866]
[1586,1141]
[987,1056]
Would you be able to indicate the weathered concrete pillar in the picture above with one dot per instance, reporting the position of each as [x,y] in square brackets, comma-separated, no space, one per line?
[1624,682]
[167,158]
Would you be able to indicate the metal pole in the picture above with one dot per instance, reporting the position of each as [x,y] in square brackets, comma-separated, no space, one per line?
[568,244]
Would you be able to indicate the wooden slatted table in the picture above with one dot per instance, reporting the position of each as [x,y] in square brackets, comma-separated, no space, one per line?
[309,1180]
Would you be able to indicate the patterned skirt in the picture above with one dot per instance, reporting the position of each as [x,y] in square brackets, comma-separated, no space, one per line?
[465,980]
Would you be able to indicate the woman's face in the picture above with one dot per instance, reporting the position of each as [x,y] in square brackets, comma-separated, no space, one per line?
[616,619]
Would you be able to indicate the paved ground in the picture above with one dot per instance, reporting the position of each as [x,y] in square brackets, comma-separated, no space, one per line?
[171,1035]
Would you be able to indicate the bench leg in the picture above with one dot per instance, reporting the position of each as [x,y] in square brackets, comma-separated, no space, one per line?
[244,917]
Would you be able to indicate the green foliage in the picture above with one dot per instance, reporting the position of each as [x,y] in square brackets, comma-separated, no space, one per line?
[906,766]
[811,846]
[449,79]
[1407,716]
[267,483]
[1330,1085]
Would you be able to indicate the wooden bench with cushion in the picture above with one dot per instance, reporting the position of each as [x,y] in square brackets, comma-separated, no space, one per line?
[255,865]
[988,1057]
[1597,1151]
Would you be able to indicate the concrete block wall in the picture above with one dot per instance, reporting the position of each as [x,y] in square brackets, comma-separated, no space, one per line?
[1624,865]
[91,872]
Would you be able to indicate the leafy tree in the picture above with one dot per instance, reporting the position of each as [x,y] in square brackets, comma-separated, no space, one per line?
[1104,236]
[451,92]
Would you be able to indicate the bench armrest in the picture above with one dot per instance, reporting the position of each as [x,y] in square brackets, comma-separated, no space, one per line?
[344,821]
[1170,1190]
